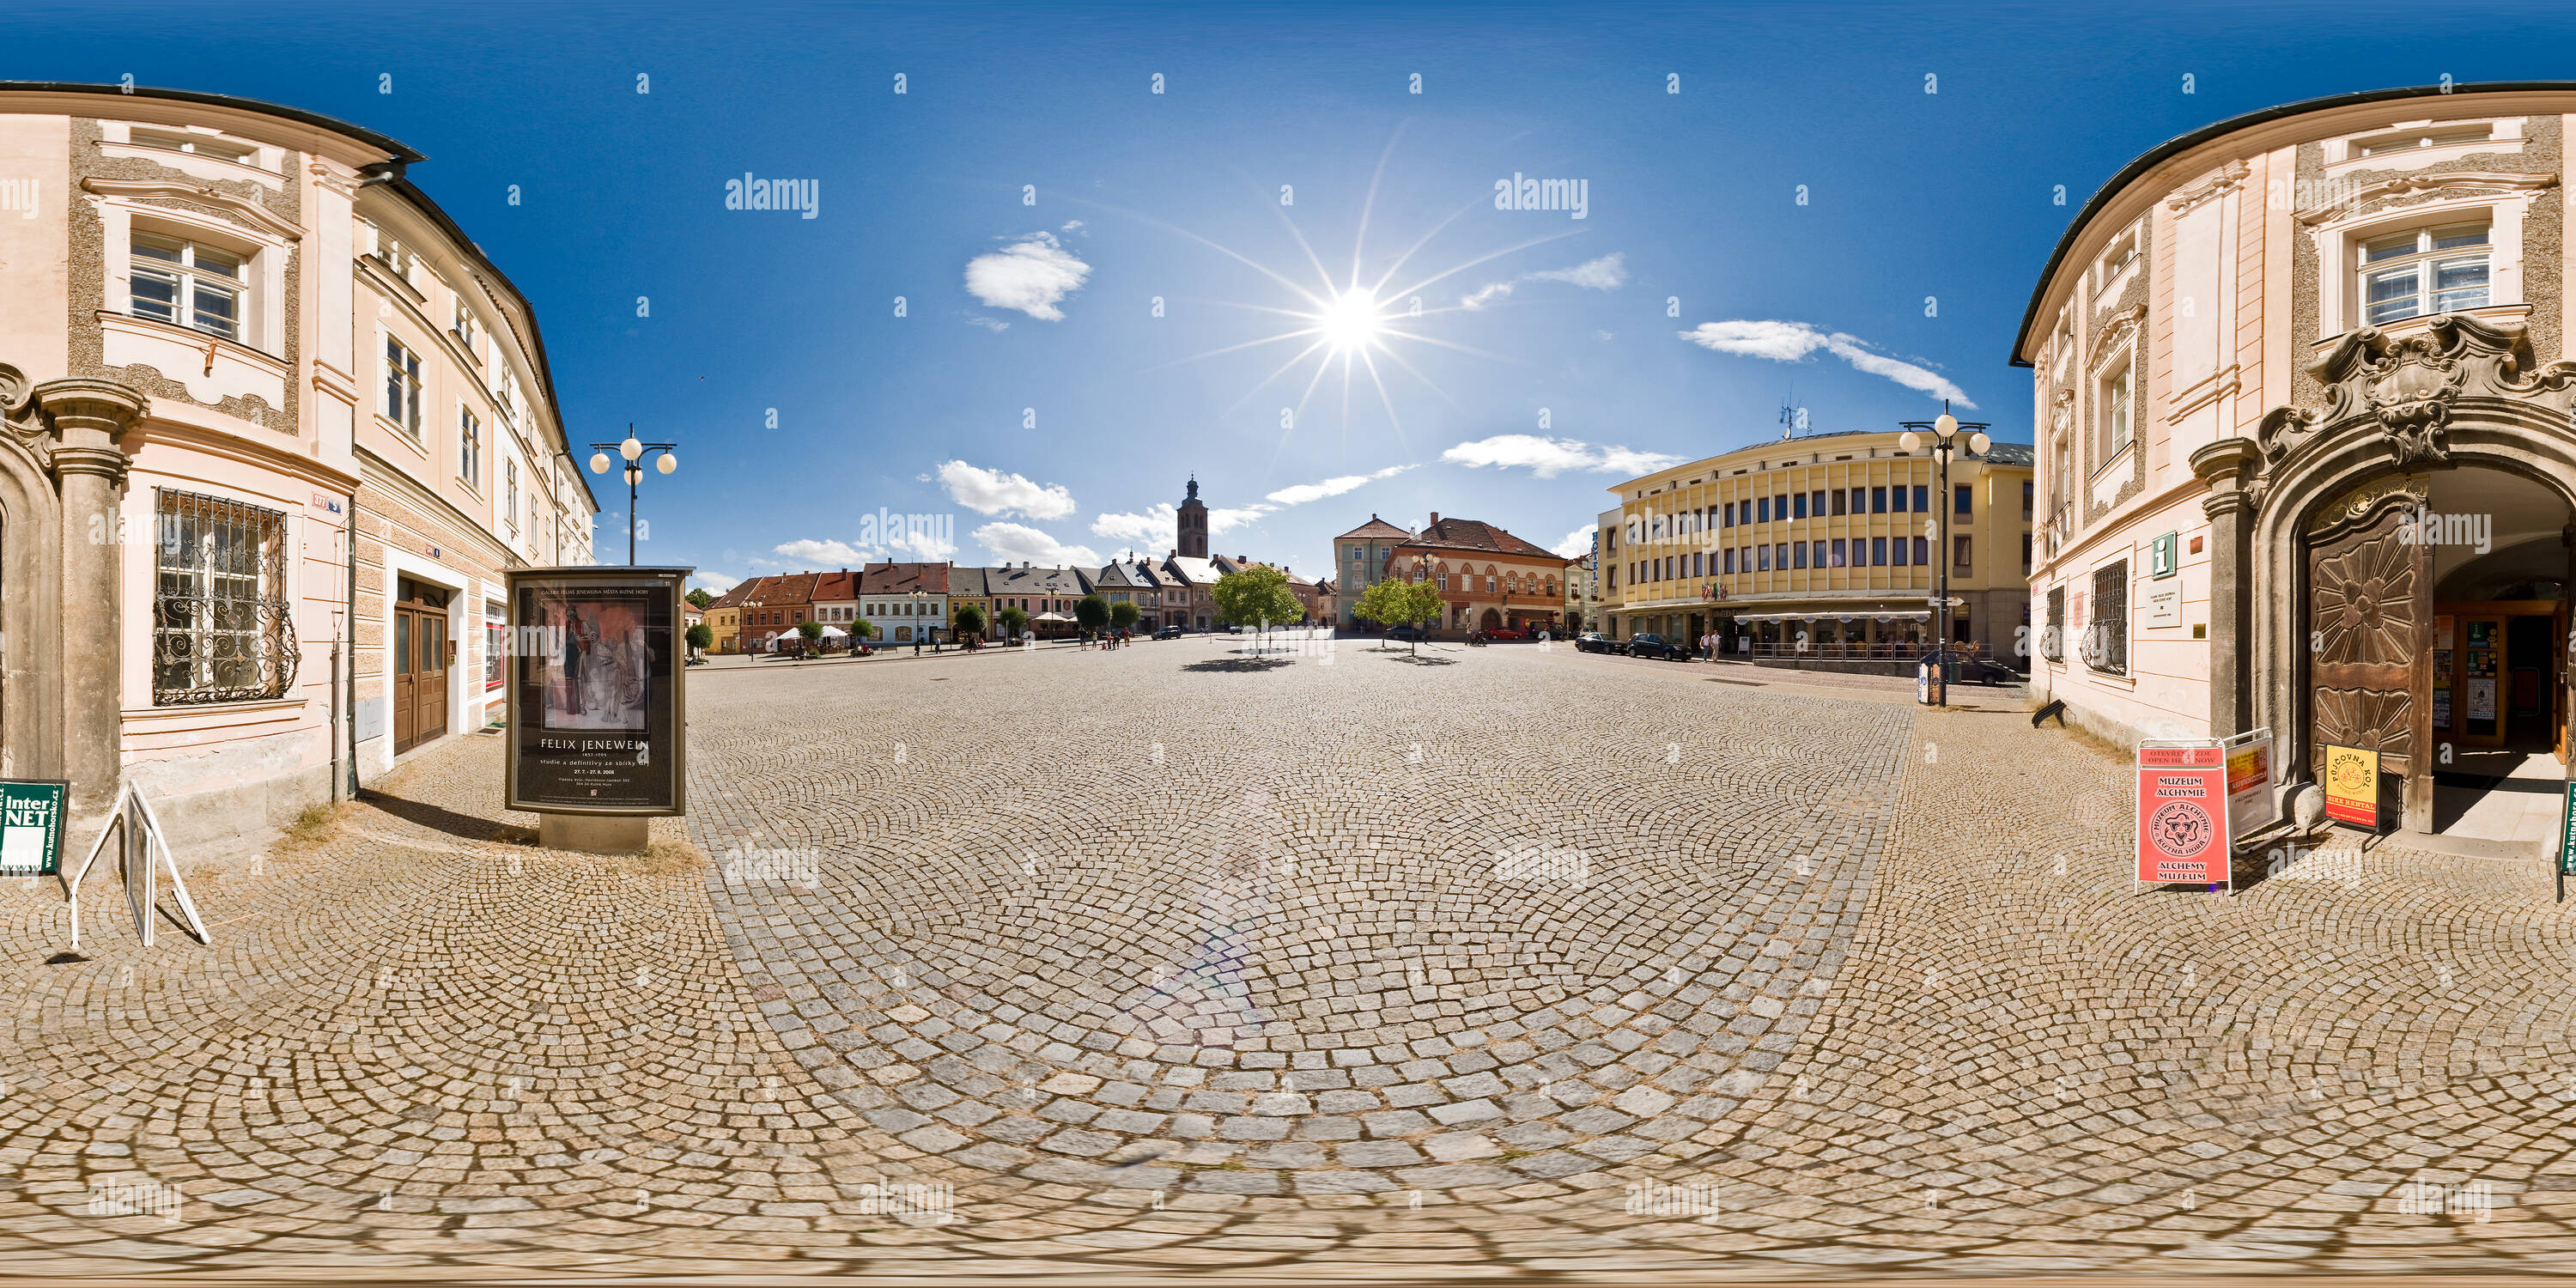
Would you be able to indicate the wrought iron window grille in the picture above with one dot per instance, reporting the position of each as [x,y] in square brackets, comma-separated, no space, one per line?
[222,630]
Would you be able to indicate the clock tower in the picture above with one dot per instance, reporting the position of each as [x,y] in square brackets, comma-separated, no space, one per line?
[1193,523]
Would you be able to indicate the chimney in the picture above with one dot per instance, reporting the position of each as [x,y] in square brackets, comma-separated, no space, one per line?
[1435,517]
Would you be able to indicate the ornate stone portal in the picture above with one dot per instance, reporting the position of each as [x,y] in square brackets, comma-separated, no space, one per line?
[62,467]
[2297,514]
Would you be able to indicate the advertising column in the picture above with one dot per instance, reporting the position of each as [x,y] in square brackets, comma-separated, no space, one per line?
[597,724]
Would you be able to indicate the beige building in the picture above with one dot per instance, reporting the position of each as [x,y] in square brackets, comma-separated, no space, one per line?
[2303,390]
[1821,545]
[191,367]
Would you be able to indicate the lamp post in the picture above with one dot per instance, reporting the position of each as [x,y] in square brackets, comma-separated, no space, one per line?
[919,598]
[1945,440]
[633,453]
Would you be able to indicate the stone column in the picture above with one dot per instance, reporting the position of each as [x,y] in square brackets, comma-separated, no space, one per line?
[88,418]
[2226,466]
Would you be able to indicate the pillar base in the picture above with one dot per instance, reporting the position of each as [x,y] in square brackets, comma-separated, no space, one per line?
[595,833]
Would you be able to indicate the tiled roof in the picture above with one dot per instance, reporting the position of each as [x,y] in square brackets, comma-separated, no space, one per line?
[904,578]
[1375,528]
[1471,534]
[1057,582]
[772,592]
[1197,572]
[833,587]
[2011,454]
[968,582]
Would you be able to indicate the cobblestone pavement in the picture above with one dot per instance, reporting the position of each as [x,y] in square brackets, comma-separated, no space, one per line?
[1177,959]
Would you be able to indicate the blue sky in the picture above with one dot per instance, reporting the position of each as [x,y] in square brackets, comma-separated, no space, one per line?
[1029,198]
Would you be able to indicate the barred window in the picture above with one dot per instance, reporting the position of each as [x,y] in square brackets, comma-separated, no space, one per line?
[2053,644]
[2106,637]
[221,630]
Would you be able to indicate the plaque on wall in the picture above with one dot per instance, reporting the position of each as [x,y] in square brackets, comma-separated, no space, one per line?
[596,714]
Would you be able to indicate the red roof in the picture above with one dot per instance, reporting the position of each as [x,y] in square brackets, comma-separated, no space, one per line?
[904,578]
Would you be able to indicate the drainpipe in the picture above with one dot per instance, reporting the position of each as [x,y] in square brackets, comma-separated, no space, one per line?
[351,644]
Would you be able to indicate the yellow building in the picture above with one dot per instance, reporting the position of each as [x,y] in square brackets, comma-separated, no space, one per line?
[1823,541]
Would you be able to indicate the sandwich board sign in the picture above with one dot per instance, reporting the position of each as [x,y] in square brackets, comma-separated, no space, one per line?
[2251,801]
[2182,814]
[31,827]
[2351,781]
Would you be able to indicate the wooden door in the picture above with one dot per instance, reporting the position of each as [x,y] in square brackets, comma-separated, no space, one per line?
[429,679]
[404,732]
[2369,634]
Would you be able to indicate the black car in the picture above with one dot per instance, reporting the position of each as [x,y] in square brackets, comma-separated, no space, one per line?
[1978,670]
[1594,642]
[1658,646]
[1406,633]
[1168,633]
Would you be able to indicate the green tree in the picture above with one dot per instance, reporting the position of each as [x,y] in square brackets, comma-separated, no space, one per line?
[1402,603]
[1013,619]
[699,598]
[702,636]
[1257,595]
[810,630]
[1092,611]
[1124,615]
[970,621]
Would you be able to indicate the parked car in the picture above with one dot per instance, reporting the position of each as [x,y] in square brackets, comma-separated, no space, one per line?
[1658,646]
[1977,670]
[1406,633]
[1168,633]
[1595,642]
[1504,635]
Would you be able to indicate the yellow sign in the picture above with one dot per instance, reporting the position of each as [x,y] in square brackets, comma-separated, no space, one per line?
[2352,786]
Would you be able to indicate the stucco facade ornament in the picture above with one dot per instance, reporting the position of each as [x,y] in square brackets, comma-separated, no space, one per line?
[2221,182]
[2114,332]
[2347,201]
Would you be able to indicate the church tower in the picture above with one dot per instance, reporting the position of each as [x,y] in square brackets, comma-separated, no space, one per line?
[1193,521]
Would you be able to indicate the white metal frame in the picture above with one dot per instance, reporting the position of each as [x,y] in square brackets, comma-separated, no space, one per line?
[132,813]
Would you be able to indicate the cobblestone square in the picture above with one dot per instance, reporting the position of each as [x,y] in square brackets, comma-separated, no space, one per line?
[1186,957]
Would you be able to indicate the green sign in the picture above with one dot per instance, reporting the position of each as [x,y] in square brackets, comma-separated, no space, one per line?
[2161,556]
[2567,834]
[31,827]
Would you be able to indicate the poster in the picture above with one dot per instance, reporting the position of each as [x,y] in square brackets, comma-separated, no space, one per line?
[31,827]
[2182,814]
[2164,605]
[2351,780]
[2482,699]
[594,685]
[2252,801]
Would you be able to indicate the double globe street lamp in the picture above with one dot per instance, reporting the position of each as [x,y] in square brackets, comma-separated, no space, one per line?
[633,453]
[1945,439]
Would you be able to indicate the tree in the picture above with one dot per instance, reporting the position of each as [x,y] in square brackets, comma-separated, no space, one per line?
[699,598]
[810,630]
[702,636]
[1124,614]
[1092,611]
[1402,603]
[1257,595]
[1013,619]
[970,620]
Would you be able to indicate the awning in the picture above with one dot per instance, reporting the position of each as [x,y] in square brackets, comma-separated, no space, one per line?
[1050,617]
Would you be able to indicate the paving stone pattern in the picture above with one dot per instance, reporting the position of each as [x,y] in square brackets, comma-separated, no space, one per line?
[1506,962]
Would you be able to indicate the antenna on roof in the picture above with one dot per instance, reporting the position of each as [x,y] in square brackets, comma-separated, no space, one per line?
[1793,419]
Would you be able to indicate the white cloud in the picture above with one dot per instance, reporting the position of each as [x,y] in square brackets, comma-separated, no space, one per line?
[1072,226]
[809,553]
[994,492]
[1549,457]
[995,325]
[925,545]
[1029,275]
[1221,521]
[1608,273]
[1577,544]
[1015,542]
[714,583]
[1793,341]
[1304,492]
[1158,528]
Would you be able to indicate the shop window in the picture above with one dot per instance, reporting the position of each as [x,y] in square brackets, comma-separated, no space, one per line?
[221,628]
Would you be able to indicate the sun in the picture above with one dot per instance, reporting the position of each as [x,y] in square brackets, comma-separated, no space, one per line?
[1351,320]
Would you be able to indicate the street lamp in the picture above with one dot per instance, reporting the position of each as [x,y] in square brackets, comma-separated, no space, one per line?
[920,597]
[632,452]
[1945,440]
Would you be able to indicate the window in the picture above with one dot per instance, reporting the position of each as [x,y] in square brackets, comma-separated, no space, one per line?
[221,631]
[510,491]
[199,144]
[402,387]
[1765,552]
[1838,552]
[1959,499]
[186,283]
[1819,505]
[2052,645]
[1838,501]
[463,325]
[1820,554]
[1726,515]
[396,256]
[2113,415]
[1878,551]
[1922,499]
[2028,498]
[2423,271]
[1762,509]
[1878,500]
[1897,501]
[1784,555]
[2106,638]
[1860,500]
[1799,549]
[1922,551]
[2408,140]
[1801,500]
[1900,552]
[2025,552]
[496,623]
[469,448]
[1959,555]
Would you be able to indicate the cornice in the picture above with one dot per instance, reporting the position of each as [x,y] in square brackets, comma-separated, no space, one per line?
[251,212]
[2407,184]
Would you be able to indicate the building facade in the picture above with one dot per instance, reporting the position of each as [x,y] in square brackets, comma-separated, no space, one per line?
[1491,580]
[1821,545]
[907,603]
[773,606]
[197,512]
[2306,459]
[1361,558]
[1046,595]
